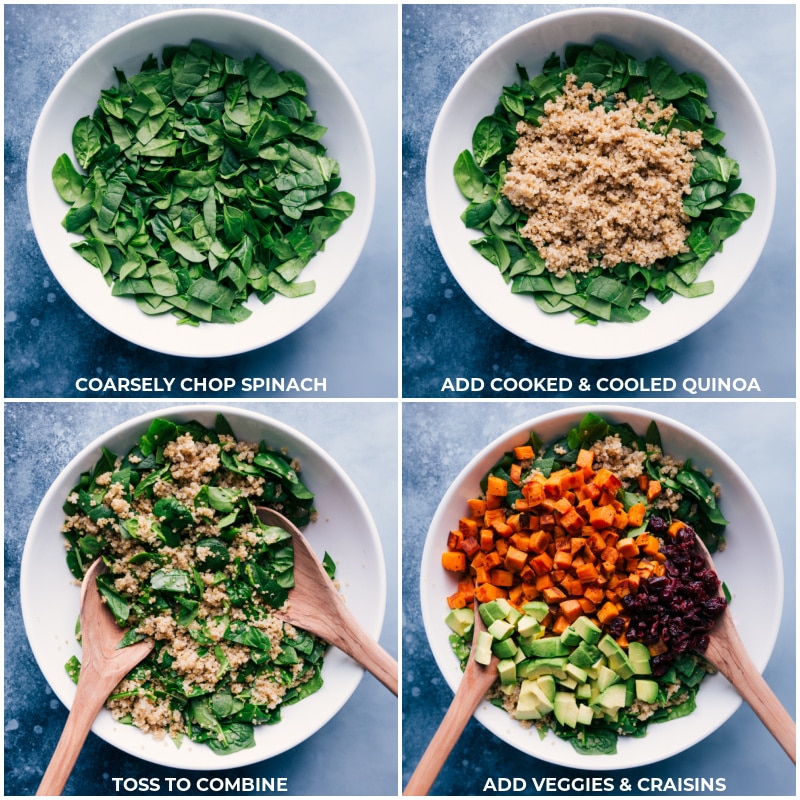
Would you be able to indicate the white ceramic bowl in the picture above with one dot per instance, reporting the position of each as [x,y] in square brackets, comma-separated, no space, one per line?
[345,529]
[240,36]
[475,95]
[752,549]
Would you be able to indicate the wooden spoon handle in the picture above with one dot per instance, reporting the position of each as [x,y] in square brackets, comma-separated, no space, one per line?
[471,691]
[375,660]
[736,666]
[85,707]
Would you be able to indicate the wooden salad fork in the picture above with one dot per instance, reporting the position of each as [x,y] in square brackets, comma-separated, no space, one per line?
[103,665]
[316,606]
[475,684]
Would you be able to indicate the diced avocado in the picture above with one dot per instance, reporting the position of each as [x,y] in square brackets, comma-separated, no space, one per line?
[608,646]
[501,629]
[576,672]
[587,630]
[583,691]
[613,698]
[493,610]
[533,694]
[528,627]
[585,714]
[513,616]
[605,677]
[570,636]
[527,706]
[646,690]
[621,665]
[639,656]
[537,609]
[505,648]
[565,709]
[570,684]
[584,655]
[483,647]
[547,685]
[547,647]
[519,656]
[546,666]
[507,671]
[461,620]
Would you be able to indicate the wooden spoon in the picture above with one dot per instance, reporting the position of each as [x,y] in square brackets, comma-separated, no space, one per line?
[475,683]
[727,653]
[103,667]
[316,606]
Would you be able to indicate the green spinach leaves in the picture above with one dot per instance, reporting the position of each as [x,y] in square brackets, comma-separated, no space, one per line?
[202,182]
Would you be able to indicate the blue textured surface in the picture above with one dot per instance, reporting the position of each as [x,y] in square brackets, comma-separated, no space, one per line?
[355,753]
[49,341]
[446,335]
[439,439]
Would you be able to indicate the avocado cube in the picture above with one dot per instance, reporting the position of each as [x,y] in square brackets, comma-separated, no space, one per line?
[461,620]
[583,691]
[547,666]
[587,630]
[646,690]
[547,685]
[528,627]
[576,673]
[571,637]
[547,647]
[501,629]
[513,616]
[483,648]
[504,648]
[639,656]
[527,706]
[493,610]
[537,609]
[507,671]
[584,655]
[565,709]
[606,676]
[621,665]
[613,698]
[568,683]
[608,645]
[585,714]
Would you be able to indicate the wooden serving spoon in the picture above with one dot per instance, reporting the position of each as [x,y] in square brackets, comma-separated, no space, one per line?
[475,683]
[727,653]
[316,606]
[103,666]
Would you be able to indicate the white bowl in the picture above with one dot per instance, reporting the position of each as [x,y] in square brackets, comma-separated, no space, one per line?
[345,529]
[240,36]
[476,94]
[752,549]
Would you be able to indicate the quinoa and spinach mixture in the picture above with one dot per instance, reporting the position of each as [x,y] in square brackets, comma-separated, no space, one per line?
[582,558]
[190,565]
[599,182]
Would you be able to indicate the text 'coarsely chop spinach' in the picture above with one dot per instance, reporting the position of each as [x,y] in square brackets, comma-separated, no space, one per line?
[714,209]
[191,566]
[204,181]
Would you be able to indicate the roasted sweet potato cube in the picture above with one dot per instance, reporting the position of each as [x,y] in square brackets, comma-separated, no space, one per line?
[515,559]
[454,561]
[602,517]
[487,591]
[653,490]
[496,486]
[523,452]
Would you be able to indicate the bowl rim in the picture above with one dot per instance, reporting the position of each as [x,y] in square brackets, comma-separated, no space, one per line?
[203,343]
[132,428]
[532,334]
[433,617]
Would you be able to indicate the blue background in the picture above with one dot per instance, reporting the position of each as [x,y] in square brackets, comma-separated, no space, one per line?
[446,335]
[49,341]
[439,439]
[354,754]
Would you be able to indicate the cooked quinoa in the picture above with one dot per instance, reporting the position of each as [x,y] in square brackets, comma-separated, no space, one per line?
[601,187]
[191,566]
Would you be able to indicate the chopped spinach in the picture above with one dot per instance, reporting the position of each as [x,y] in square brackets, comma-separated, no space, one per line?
[714,208]
[202,181]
